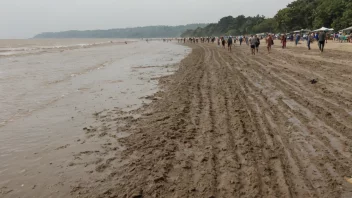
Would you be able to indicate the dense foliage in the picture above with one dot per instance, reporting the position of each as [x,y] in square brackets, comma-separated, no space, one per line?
[300,14]
[138,32]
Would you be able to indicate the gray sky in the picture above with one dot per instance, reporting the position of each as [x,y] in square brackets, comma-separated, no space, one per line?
[25,18]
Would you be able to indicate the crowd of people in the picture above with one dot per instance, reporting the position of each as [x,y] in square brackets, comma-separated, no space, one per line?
[252,41]
[342,37]
[320,37]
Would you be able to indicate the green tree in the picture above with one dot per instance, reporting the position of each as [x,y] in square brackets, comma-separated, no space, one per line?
[268,25]
[329,11]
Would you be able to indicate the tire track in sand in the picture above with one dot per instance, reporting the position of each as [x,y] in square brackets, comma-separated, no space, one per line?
[226,127]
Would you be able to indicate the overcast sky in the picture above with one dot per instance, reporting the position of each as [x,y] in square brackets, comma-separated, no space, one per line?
[25,18]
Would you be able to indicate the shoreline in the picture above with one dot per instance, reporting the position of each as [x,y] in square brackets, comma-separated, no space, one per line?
[226,125]
[51,138]
[232,125]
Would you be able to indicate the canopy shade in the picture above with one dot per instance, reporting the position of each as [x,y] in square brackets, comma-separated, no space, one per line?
[323,29]
[349,28]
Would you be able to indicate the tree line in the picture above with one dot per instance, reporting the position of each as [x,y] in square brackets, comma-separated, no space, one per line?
[137,32]
[300,14]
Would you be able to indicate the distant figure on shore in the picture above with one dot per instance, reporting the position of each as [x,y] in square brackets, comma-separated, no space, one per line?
[218,41]
[298,37]
[229,44]
[241,40]
[257,43]
[283,41]
[269,42]
[252,42]
[309,40]
[246,39]
[223,42]
[321,43]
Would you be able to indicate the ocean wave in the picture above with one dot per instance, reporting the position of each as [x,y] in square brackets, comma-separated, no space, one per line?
[11,51]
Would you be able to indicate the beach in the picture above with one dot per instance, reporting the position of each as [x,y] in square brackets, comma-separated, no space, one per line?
[236,125]
[49,96]
[164,119]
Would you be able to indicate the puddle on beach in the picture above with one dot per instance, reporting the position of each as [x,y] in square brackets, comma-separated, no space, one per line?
[48,98]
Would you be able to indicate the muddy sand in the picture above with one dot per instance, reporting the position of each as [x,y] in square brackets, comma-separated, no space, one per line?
[225,125]
[233,125]
[47,98]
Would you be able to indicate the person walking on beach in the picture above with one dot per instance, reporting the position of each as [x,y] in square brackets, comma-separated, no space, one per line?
[283,41]
[321,43]
[229,44]
[223,42]
[241,40]
[257,43]
[269,42]
[246,39]
[309,40]
[252,42]
[298,37]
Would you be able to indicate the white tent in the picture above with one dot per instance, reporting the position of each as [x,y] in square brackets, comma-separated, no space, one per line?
[347,29]
[323,29]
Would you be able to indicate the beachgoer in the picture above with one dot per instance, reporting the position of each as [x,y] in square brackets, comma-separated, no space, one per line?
[321,43]
[269,42]
[298,37]
[229,43]
[283,41]
[246,39]
[309,40]
[252,43]
[257,43]
[241,40]
[223,42]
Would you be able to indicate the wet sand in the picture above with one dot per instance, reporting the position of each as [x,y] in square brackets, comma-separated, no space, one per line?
[48,98]
[232,125]
[223,125]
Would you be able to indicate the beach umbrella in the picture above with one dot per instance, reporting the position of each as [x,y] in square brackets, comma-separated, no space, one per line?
[322,29]
[349,28]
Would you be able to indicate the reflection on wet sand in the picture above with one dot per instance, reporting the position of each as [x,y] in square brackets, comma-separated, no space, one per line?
[48,98]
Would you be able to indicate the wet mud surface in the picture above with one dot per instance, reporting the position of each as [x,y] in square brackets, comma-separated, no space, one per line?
[231,125]
[47,99]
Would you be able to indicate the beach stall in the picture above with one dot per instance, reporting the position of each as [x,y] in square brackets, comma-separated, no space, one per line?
[324,29]
[347,30]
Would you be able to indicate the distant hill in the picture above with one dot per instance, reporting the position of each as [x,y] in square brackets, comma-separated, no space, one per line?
[137,32]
